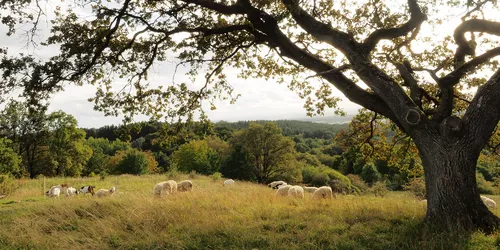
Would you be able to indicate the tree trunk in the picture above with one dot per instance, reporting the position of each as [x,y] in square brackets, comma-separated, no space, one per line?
[450,179]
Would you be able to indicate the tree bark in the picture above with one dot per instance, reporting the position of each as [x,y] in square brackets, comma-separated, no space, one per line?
[453,199]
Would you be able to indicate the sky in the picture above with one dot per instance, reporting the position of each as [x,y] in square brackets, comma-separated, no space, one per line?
[259,100]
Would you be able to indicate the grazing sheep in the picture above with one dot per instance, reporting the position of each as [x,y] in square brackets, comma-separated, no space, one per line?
[283,190]
[276,184]
[71,191]
[53,192]
[105,192]
[310,189]
[87,189]
[296,192]
[62,187]
[324,192]
[229,182]
[165,187]
[488,202]
[185,185]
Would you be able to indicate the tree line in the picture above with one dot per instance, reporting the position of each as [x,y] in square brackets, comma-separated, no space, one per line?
[359,155]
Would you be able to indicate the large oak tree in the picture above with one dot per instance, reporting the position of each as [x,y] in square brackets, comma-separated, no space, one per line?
[383,55]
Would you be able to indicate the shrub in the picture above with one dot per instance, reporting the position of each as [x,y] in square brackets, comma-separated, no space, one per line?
[324,176]
[173,173]
[379,189]
[7,185]
[134,162]
[192,174]
[320,179]
[358,182]
[216,176]
[417,187]
[484,186]
[370,174]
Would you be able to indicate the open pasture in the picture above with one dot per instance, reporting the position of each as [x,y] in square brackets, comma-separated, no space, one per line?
[211,216]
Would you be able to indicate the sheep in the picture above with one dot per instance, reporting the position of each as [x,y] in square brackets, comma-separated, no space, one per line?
[87,189]
[324,192]
[310,189]
[71,191]
[165,187]
[488,202]
[105,192]
[53,192]
[185,185]
[296,192]
[228,182]
[283,190]
[276,184]
[62,187]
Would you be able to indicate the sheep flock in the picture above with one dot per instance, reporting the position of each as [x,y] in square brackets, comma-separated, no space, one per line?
[171,187]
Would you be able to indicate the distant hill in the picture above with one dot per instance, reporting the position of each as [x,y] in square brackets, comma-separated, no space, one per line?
[329,119]
[316,127]
[309,129]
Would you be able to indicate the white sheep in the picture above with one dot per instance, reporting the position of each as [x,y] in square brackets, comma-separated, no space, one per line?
[324,192]
[228,182]
[71,191]
[54,192]
[276,184]
[105,192]
[185,185]
[296,192]
[488,202]
[310,189]
[283,190]
[165,187]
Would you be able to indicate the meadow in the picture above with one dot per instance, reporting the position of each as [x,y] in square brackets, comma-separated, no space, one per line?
[211,216]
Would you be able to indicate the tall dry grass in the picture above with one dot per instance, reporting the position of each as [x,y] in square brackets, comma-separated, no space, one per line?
[246,216]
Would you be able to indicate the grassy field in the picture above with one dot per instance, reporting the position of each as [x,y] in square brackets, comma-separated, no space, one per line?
[246,216]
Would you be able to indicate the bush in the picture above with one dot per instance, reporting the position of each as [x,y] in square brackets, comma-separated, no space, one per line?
[379,189]
[484,186]
[216,176]
[320,179]
[173,173]
[370,174]
[134,162]
[192,174]
[358,182]
[324,176]
[7,185]
[417,187]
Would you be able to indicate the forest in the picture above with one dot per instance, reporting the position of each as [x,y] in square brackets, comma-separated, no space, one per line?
[356,157]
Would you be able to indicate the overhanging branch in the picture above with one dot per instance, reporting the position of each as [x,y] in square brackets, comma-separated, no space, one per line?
[473,25]
[416,19]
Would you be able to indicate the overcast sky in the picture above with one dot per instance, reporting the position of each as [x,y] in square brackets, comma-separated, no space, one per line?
[259,99]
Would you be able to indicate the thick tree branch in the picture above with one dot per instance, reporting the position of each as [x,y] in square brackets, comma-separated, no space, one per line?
[320,31]
[236,8]
[447,82]
[409,81]
[454,77]
[375,78]
[416,19]
[483,113]
[268,29]
[473,25]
